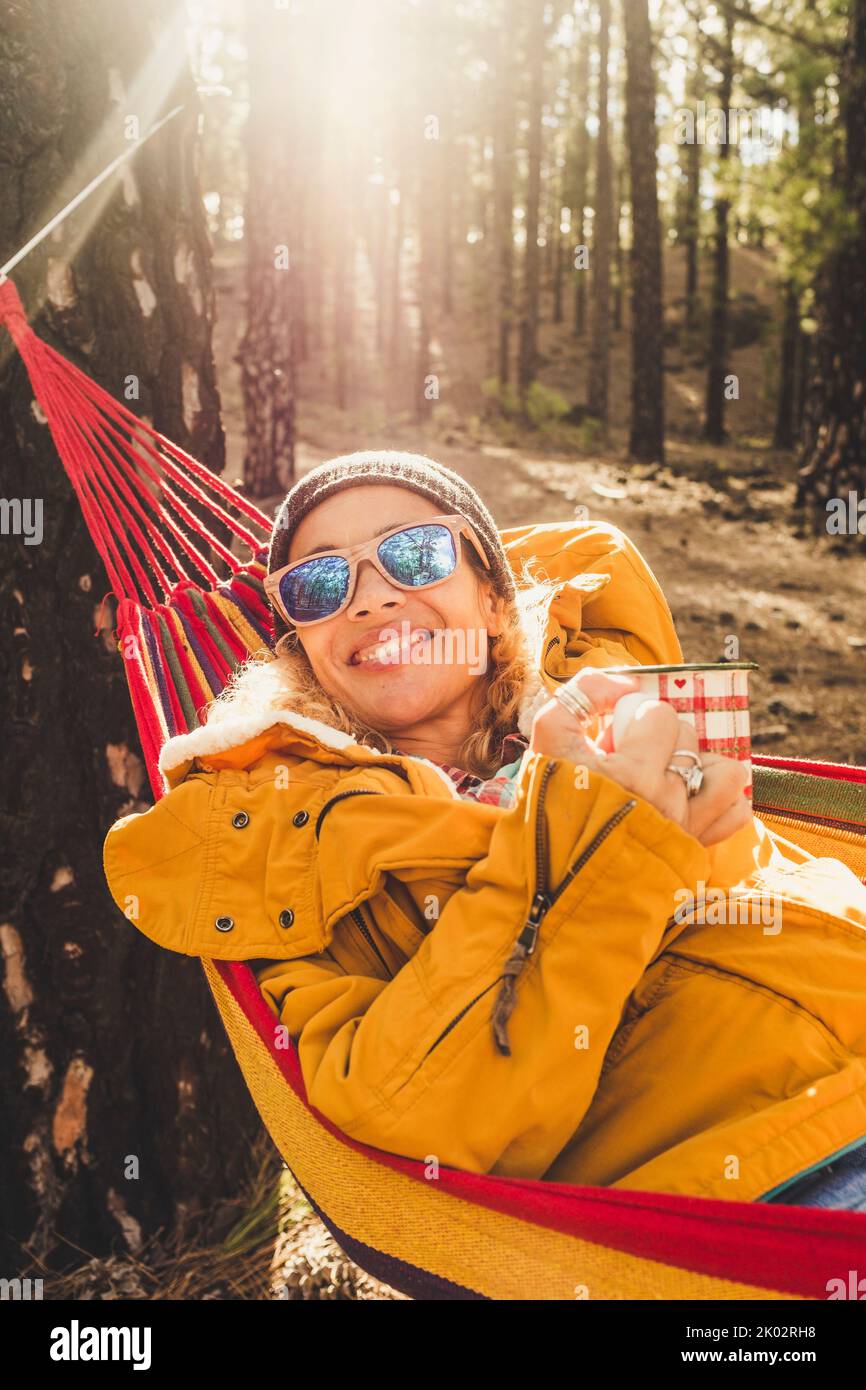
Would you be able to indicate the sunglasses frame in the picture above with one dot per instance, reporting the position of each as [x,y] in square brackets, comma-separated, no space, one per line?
[456,524]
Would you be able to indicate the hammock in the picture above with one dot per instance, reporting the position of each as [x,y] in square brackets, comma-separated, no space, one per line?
[152,512]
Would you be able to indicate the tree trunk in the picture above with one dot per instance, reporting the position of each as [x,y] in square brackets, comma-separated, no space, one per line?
[803,372]
[647,437]
[446,222]
[599,360]
[316,210]
[429,167]
[783,435]
[266,353]
[548,197]
[307,277]
[505,89]
[124,1109]
[691,223]
[528,350]
[342,241]
[714,414]
[395,333]
[618,256]
[691,235]
[376,250]
[430,125]
[558,247]
[833,461]
[581,171]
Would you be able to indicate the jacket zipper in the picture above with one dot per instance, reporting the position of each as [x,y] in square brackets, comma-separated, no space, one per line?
[585,854]
[341,796]
[554,641]
[457,1017]
[542,901]
[358,919]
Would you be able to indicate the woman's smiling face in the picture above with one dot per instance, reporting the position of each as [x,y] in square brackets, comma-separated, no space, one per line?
[396,658]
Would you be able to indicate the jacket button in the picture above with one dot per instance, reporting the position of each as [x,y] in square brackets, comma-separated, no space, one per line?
[240,819]
[224,923]
[287,917]
[300,818]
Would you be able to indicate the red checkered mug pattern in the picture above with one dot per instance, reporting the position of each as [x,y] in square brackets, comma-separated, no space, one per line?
[712,696]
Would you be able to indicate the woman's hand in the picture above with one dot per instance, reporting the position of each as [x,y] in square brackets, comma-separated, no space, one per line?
[640,761]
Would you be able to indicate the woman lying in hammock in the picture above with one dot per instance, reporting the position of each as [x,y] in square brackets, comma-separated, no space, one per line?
[460,909]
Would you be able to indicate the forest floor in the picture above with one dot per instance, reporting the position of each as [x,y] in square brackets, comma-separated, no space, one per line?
[716,525]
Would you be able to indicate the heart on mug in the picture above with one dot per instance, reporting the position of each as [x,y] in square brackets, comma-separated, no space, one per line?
[679,684]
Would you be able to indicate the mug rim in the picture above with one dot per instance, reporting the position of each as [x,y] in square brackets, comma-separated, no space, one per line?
[685,666]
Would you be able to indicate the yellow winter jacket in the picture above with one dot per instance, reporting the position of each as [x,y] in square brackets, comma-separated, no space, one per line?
[648,1048]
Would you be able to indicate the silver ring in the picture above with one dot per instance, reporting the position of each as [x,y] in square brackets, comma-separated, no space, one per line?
[692,777]
[575,702]
[687,753]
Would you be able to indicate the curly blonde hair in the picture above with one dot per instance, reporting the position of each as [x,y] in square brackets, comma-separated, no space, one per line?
[283,678]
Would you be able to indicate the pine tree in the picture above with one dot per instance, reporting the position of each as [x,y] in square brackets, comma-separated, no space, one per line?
[647,437]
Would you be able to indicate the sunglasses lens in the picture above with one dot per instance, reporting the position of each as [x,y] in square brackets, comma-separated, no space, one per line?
[315,589]
[420,555]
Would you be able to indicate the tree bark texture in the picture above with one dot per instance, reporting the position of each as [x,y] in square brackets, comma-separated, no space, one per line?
[505,87]
[618,256]
[528,348]
[783,434]
[647,434]
[581,172]
[717,347]
[833,460]
[599,357]
[271,237]
[691,222]
[123,1107]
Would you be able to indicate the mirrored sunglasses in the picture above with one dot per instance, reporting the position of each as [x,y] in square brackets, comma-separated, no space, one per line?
[410,557]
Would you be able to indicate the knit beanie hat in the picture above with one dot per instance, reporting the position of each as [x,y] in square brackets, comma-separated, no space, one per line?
[413,471]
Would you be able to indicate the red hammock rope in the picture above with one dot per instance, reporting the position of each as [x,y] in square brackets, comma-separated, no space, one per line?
[110,456]
[180,628]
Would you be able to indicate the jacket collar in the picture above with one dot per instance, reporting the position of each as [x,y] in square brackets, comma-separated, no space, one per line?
[229,732]
[234,730]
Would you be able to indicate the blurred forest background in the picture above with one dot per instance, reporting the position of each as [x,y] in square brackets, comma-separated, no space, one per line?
[597,255]
[607,258]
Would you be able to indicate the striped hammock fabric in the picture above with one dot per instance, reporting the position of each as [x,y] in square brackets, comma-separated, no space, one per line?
[162,523]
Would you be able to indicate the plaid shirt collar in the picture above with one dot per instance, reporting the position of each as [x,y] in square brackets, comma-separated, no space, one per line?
[499,789]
